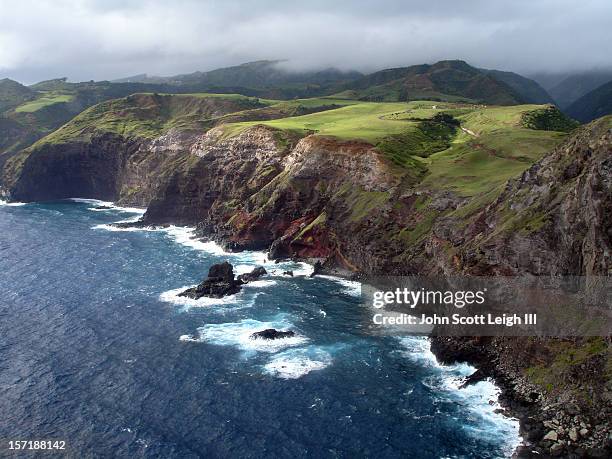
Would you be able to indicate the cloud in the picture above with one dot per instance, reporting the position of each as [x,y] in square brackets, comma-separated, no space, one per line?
[105,39]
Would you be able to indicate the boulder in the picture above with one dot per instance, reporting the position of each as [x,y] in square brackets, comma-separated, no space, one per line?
[253,275]
[552,436]
[288,273]
[222,271]
[271,333]
[474,378]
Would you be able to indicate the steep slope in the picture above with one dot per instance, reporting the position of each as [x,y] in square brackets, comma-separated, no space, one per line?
[13,94]
[529,90]
[89,155]
[47,105]
[445,80]
[592,105]
[554,219]
[132,142]
[352,169]
[575,86]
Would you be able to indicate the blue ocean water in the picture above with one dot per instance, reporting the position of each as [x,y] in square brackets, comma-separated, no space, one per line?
[98,350]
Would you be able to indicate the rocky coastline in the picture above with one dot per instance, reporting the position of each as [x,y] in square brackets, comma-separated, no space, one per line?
[344,206]
[553,423]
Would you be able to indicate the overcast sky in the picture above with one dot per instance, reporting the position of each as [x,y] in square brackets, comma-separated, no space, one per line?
[106,39]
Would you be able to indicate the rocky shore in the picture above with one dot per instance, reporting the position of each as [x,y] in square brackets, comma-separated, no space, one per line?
[571,420]
[344,204]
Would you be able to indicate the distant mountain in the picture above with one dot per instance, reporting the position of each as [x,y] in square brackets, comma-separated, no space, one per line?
[575,86]
[260,78]
[13,94]
[140,78]
[592,105]
[548,80]
[453,80]
[529,89]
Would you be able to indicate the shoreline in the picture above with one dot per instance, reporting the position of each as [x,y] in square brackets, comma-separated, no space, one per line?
[508,399]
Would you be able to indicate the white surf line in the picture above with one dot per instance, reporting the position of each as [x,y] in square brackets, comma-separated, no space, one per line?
[482,398]
[112,206]
[11,204]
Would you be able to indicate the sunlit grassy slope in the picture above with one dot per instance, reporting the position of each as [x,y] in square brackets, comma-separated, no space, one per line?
[491,145]
[484,147]
[356,120]
[43,101]
[496,148]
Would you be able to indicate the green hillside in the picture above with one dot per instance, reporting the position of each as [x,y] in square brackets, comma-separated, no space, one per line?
[467,148]
[454,81]
[13,94]
[592,105]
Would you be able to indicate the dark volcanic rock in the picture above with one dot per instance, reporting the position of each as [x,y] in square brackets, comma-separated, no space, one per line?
[288,273]
[253,275]
[271,333]
[476,377]
[318,268]
[221,271]
[219,283]
[103,207]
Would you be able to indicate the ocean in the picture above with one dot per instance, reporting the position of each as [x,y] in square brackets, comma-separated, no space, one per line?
[97,350]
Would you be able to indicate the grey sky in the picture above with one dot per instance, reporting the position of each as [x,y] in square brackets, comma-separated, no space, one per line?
[106,39]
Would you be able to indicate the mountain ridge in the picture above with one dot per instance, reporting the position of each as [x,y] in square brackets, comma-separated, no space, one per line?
[593,104]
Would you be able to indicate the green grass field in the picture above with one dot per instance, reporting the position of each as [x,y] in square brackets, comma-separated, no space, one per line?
[356,120]
[43,101]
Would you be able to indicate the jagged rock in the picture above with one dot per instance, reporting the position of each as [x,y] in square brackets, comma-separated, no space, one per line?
[253,275]
[573,434]
[103,207]
[219,283]
[556,449]
[288,273]
[318,268]
[221,271]
[474,378]
[551,436]
[272,333]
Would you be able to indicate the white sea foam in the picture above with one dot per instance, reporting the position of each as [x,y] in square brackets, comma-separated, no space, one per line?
[11,204]
[172,296]
[294,363]
[185,235]
[480,398]
[249,258]
[261,283]
[112,227]
[94,202]
[114,208]
[352,288]
[238,334]
[302,269]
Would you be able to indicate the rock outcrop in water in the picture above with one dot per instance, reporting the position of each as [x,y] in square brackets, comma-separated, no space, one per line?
[255,274]
[219,283]
[271,333]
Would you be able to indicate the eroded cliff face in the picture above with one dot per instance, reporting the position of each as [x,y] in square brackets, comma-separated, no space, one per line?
[266,188]
[342,201]
[554,219]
